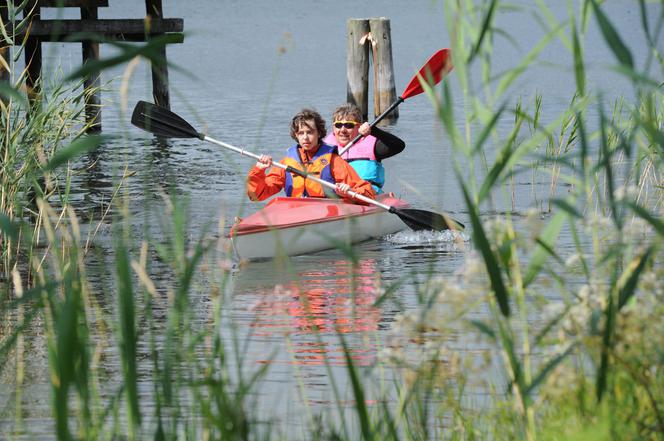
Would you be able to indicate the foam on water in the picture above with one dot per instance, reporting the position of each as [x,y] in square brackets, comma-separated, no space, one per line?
[409,237]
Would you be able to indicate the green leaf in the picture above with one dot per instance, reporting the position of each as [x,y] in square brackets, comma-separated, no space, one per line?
[547,369]
[490,260]
[632,274]
[547,239]
[488,128]
[79,146]
[128,52]
[644,214]
[8,228]
[579,69]
[499,165]
[484,328]
[358,392]
[486,25]
[612,37]
[10,92]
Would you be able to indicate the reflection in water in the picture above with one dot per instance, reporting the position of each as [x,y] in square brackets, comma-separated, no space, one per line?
[311,308]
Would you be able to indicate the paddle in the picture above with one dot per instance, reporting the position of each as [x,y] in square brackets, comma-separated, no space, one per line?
[163,122]
[434,69]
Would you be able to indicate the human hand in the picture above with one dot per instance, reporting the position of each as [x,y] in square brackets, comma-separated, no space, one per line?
[365,129]
[342,188]
[264,162]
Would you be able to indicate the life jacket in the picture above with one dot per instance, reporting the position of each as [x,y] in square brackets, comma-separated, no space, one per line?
[362,157]
[319,166]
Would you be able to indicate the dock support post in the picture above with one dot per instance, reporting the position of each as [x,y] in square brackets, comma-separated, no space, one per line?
[384,89]
[160,93]
[357,64]
[91,84]
[4,46]
[33,62]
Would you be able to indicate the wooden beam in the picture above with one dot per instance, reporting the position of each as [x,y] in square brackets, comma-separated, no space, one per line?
[117,29]
[72,3]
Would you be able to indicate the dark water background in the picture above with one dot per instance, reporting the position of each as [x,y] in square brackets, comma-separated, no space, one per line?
[242,72]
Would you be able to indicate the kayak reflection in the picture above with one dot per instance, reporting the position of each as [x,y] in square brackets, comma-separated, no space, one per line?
[313,308]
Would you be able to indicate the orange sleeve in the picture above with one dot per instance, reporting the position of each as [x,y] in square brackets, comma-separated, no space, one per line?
[261,185]
[344,172]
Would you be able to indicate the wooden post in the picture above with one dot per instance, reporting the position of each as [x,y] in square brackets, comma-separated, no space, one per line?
[4,46]
[384,89]
[357,64]
[91,84]
[160,93]
[33,61]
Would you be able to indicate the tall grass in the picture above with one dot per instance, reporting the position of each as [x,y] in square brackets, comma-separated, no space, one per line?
[590,365]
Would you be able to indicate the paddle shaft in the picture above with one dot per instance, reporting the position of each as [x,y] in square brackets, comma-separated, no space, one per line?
[305,175]
[380,117]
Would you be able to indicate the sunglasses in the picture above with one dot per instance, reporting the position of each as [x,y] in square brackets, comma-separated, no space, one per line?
[346,124]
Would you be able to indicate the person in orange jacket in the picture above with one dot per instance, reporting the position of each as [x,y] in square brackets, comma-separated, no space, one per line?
[314,157]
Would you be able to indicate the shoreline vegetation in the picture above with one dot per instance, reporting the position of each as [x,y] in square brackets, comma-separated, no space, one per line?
[590,366]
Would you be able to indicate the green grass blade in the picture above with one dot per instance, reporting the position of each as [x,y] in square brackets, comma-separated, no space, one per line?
[77,147]
[644,214]
[127,328]
[8,91]
[612,37]
[484,328]
[633,272]
[486,26]
[547,369]
[579,68]
[358,392]
[490,260]
[543,250]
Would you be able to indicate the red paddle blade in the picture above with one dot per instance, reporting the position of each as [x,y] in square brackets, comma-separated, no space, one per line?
[433,71]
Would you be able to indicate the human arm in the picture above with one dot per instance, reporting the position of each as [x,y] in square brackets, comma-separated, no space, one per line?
[387,144]
[344,173]
[262,185]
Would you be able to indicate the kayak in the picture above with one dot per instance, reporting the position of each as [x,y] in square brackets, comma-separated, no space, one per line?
[293,226]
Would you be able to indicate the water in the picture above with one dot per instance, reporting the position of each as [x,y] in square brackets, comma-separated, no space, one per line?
[242,72]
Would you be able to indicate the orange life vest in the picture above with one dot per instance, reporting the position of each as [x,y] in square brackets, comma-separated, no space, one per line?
[319,166]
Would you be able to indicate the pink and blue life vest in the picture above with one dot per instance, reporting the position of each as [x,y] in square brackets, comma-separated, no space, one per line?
[363,159]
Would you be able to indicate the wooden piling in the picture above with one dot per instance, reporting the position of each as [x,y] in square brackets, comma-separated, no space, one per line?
[357,64]
[91,84]
[4,46]
[160,92]
[33,63]
[384,89]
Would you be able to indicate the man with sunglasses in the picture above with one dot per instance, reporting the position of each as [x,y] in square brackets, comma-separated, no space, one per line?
[311,155]
[366,154]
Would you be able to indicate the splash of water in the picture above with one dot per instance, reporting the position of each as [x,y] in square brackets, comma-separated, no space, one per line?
[409,237]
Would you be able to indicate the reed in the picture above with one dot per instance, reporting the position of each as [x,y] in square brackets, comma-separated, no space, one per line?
[591,365]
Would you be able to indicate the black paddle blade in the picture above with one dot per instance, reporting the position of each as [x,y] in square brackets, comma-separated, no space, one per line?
[162,122]
[419,220]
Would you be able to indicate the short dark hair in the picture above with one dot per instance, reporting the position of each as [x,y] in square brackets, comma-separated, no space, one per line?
[303,117]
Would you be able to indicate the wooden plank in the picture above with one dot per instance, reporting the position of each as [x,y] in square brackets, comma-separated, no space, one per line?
[104,27]
[73,3]
[117,29]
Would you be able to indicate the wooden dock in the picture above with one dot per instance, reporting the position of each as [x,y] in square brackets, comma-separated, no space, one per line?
[32,32]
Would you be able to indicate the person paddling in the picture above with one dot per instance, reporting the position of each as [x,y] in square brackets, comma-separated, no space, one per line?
[365,155]
[311,155]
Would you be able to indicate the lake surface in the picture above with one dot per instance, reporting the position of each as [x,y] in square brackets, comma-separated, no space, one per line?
[243,71]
